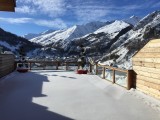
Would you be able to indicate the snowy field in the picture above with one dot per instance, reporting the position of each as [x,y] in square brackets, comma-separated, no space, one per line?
[61,95]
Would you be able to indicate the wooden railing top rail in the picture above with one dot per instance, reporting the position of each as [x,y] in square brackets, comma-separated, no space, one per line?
[48,61]
[113,68]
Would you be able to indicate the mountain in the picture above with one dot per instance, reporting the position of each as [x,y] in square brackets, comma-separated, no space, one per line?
[127,45]
[32,35]
[68,34]
[111,42]
[12,42]
[112,29]
[118,41]
[99,41]
[133,20]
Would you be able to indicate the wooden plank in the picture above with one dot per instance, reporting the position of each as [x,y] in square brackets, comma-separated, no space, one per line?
[150,90]
[148,74]
[144,78]
[7,68]
[154,60]
[155,41]
[148,84]
[150,50]
[155,44]
[137,63]
[7,64]
[149,93]
[146,64]
[7,1]
[147,55]
[7,8]
[146,69]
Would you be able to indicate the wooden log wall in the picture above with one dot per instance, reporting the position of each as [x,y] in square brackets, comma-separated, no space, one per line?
[7,64]
[146,64]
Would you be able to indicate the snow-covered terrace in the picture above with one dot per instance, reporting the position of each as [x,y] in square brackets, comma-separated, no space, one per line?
[65,95]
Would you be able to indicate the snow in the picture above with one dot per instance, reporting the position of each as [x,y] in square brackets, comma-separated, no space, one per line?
[113,29]
[132,20]
[62,95]
[12,48]
[148,100]
[73,32]
[33,35]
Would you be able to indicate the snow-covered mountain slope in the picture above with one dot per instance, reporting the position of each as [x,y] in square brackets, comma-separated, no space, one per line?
[67,34]
[101,40]
[112,29]
[133,20]
[32,35]
[127,45]
[11,42]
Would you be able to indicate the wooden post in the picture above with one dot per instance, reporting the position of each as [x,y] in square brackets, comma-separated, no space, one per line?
[57,65]
[44,65]
[113,76]
[66,66]
[29,65]
[104,69]
[96,69]
[90,67]
[129,79]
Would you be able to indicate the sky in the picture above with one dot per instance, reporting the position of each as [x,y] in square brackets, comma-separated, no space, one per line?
[35,16]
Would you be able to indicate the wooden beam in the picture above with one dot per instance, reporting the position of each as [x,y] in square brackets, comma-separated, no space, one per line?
[8,8]
[146,64]
[7,5]
[146,69]
[149,60]
[148,90]
[148,74]
[148,55]
[144,78]
[149,84]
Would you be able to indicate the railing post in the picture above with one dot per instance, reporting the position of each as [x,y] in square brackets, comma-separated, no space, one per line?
[113,76]
[96,68]
[104,69]
[44,65]
[90,67]
[129,79]
[57,63]
[66,66]
[29,65]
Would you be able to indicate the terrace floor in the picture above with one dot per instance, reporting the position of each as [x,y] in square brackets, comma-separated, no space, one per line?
[61,95]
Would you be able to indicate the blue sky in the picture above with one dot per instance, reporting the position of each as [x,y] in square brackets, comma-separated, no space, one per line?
[35,16]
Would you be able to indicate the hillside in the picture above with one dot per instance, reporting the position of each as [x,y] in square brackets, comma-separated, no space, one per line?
[12,42]
[127,45]
[67,34]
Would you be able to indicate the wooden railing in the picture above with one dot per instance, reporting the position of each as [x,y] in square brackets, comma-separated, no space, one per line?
[52,65]
[7,64]
[118,76]
[115,75]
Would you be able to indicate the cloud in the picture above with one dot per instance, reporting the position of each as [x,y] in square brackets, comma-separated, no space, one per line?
[52,8]
[16,20]
[25,9]
[93,11]
[90,14]
[57,23]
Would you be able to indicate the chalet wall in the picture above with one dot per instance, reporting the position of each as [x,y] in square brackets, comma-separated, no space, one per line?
[146,64]
[7,64]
